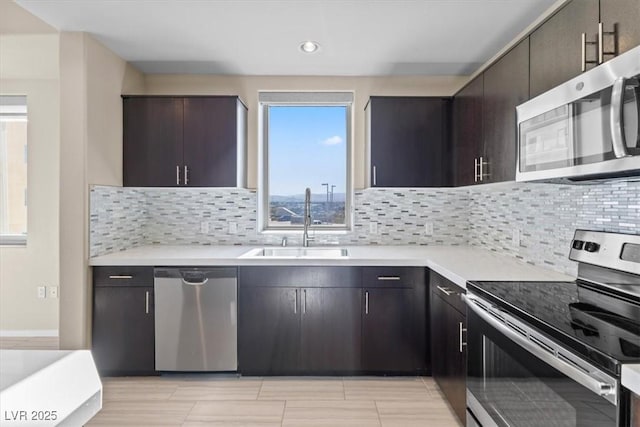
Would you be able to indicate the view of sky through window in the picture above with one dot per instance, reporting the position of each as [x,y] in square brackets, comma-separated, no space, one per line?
[307,148]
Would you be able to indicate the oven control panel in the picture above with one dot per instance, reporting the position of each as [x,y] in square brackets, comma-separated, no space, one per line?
[611,250]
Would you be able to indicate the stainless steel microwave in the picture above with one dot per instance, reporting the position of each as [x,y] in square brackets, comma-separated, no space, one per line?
[585,129]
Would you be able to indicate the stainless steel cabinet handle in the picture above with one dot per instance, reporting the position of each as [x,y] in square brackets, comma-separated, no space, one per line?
[177,175]
[186,175]
[601,34]
[475,169]
[304,301]
[388,277]
[366,302]
[460,331]
[295,303]
[584,44]
[120,277]
[146,302]
[446,291]
[375,176]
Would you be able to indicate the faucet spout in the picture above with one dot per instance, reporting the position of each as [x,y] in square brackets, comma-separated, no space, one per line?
[307,218]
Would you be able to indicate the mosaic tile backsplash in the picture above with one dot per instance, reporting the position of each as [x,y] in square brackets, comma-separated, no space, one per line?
[544,215]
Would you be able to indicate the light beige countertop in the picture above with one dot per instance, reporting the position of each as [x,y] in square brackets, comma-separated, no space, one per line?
[457,263]
[631,378]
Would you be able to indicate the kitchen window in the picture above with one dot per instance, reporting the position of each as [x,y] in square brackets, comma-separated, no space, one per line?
[13,170]
[306,143]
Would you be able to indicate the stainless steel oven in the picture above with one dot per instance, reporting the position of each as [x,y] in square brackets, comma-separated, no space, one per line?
[518,377]
[551,353]
[587,128]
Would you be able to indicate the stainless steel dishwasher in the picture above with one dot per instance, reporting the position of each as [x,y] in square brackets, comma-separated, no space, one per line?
[196,325]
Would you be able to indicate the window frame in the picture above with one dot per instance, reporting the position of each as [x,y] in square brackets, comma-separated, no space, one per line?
[8,109]
[267,99]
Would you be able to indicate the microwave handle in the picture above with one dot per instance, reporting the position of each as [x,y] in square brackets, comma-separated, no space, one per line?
[616,116]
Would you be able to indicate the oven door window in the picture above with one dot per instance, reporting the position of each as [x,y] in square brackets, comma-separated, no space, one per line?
[515,388]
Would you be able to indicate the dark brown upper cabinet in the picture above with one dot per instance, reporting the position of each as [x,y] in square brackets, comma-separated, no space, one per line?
[623,18]
[171,141]
[557,45]
[408,141]
[467,132]
[506,85]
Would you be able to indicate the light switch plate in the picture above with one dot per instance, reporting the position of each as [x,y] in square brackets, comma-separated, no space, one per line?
[204,227]
[428,228]
[42,291]
[373,227]
[515,237]
[233,228]
[52,291]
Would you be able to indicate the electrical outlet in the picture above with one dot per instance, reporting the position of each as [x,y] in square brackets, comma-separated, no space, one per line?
[204,227]
[428,228]
[233,228]
[515,237]
[52,292]
[373,227]
[42,291]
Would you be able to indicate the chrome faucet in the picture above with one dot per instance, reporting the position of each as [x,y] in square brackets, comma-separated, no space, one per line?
[307,218]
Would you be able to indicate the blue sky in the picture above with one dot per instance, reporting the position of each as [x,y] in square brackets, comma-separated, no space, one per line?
[307,147]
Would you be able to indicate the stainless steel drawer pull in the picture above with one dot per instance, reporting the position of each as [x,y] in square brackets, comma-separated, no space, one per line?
[295,303]
[304,301]
[475,169]
[124,276]
[186,175]
[177,175]
[366,302]
[146,302]
[446,291]
[375,176]
[388,277]
[461,330]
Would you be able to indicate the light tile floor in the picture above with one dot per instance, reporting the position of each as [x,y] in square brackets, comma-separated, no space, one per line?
[209,400]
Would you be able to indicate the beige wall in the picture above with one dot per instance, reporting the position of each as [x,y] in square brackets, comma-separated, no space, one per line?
[247,87]
[92,79]
[29,66]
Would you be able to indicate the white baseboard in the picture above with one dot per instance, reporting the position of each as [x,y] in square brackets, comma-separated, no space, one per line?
[29,333]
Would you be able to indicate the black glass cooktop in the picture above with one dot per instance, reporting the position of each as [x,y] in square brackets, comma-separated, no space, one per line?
[600,323]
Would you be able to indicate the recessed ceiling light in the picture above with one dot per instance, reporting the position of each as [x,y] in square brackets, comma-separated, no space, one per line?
[309,46]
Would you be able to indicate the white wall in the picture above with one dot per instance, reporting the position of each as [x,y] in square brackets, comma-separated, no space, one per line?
[247,87]
[92,79]
[29,66]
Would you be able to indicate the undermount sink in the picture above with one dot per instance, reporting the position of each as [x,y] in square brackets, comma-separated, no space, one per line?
[320,253]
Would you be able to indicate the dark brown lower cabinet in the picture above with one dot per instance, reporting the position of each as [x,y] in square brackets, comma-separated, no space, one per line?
[388,340]
[448,346]
[320,320]
[269,330]
[123,326]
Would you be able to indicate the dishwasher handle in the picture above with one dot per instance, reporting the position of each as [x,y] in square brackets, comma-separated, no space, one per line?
[194,278]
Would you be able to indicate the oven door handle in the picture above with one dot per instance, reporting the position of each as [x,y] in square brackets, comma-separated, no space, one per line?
[607,388]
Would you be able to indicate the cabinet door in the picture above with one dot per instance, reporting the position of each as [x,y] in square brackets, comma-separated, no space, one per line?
[624,16]
[409,142]
[388,340]
[457,364]
[123,330]
[269,331]
[556,47]
[331,329]
[152,141]
[210,141]
[439,341]
[506,85]
[467,131]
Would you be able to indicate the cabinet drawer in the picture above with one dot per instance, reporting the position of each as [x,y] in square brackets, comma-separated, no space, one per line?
[303,276]
[448,291]
[396,277]
[123,276]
